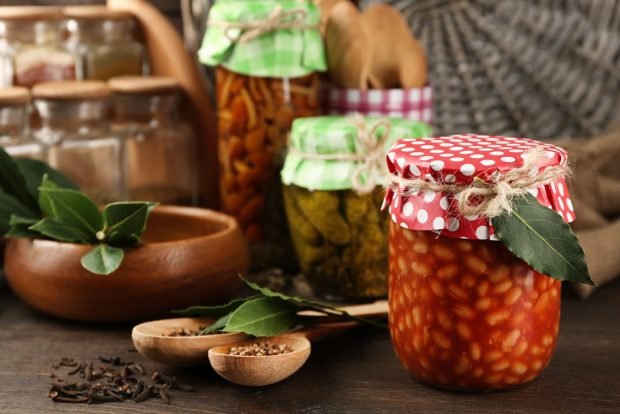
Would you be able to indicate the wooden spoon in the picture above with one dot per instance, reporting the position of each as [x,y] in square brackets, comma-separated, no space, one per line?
[257,371]
[348,46]
[152,339]
[398,60]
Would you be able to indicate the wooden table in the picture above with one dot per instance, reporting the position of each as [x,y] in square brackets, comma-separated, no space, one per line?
[354,373]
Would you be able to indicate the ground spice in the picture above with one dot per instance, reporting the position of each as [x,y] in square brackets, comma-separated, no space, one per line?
[186,332]
[260,349]
[112,380]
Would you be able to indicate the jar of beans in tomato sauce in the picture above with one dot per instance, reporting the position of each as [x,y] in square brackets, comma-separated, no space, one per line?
[465,313]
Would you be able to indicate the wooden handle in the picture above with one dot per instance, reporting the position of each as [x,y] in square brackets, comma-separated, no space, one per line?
[323,330]
[379,308]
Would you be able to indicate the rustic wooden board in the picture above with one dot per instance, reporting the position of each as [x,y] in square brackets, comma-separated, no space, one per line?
[353,373]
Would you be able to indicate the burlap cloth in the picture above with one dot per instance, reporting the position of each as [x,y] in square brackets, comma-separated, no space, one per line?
[595,192]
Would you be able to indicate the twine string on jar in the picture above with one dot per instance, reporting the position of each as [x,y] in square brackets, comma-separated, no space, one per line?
[369,155]
[492,198]
[277,20]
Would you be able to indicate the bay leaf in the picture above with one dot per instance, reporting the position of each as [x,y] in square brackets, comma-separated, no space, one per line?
[57,229]
[9,206]
[318,306]
[305,304]
[217,310]
[266,316]
[44,202]
[126,221]
[34,171]
[20,227]
[14,183]
[72,207]
[541,238]
[217,325]
[103,259]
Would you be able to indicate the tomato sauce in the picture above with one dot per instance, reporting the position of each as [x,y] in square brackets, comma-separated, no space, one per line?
[468,314]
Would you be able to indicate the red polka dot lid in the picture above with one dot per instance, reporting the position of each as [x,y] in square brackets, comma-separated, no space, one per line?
[458,159]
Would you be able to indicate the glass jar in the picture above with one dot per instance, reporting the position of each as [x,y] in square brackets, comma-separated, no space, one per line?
[254,119]
[339,238]
[30,46]
[160,149]
[264,80]
[104,43]
[74,128]
[14,132]
[465,313]
[337,228]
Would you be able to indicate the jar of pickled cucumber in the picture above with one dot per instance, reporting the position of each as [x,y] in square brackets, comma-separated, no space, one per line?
[268,56]
[333,177]
[465,312]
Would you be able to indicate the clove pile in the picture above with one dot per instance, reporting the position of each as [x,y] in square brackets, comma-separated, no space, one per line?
[110,380]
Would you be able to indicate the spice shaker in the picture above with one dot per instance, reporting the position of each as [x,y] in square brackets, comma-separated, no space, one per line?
[333,177]
[104,42]
[465,312]
[31,48]
[267,56]
[74,128]
[15,136]
[160,149]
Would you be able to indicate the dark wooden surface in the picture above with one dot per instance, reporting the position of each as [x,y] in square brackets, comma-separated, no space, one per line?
[353,373]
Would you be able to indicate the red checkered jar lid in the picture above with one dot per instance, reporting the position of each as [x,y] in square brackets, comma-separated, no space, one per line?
[461,159]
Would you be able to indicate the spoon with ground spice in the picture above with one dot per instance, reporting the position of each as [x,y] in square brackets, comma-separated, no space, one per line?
[264,361]
[177,342]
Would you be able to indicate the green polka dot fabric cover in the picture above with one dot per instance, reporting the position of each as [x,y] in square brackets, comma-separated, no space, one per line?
[328,135]
[459,159]
[281,53]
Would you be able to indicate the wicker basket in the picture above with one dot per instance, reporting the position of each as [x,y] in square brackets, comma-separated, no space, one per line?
[537,68]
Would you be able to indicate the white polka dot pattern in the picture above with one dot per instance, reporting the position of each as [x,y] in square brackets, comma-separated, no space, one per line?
[459,159]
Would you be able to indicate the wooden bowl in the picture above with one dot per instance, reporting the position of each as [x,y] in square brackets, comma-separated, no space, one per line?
[190,256]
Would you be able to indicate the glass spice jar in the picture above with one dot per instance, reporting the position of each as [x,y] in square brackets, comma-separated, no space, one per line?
[31,48]
[74,129]
[160,149]
[15,137]
[465,313]
[268,55]
[104,42]
[332,193]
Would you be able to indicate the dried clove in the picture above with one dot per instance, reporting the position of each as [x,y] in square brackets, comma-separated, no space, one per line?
[108,383]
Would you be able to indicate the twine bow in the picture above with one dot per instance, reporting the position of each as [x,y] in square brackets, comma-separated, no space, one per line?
[278,19]
[492,198]
[369,156]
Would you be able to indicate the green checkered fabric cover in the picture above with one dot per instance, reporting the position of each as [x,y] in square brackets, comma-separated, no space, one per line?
[336,135]
[280,53]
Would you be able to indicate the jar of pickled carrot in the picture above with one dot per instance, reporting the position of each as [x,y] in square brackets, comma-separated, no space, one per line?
[465,312]
[268,56]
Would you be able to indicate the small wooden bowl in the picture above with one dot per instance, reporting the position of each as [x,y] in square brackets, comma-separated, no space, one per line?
[190,256]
